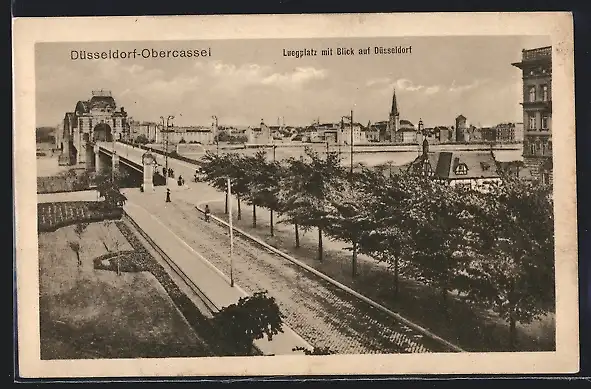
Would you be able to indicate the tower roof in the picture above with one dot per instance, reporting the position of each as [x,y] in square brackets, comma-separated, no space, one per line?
[394,110]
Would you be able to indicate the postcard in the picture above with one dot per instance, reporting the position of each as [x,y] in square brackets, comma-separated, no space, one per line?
[281,195]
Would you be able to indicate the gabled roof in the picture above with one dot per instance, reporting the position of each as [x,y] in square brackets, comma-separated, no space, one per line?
[444,164]
[478,164]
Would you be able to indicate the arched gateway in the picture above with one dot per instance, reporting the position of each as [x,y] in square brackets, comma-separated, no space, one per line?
[102,133]
[95,120]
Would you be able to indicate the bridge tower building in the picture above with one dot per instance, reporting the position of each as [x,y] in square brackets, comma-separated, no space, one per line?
[95,120]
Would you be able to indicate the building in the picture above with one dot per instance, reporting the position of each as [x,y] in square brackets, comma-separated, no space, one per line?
[383,133]
[518,132]
[406,132]
[93,120]
[175,135]
[489,134]
[444,134]
[536,68]
[372,133]
[149,130]
[461,129]
[393,119]
[344,134]
[469,170]
[505,132]
[260,135]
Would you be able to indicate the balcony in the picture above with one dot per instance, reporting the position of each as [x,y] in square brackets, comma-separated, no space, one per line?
[536,54]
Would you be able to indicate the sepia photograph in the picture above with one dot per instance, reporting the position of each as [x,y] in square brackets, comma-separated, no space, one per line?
[245,198]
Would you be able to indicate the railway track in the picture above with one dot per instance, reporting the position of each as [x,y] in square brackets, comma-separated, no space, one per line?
[211,308]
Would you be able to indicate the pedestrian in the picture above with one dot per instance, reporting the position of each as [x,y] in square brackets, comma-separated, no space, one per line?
[207,212]
[167,195]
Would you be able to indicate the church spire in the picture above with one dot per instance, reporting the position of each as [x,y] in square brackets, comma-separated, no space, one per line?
[394,110]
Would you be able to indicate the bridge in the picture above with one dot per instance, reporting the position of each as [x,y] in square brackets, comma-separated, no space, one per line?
[131,157]
[319,310]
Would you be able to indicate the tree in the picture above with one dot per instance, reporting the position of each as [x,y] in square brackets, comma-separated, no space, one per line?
[386,236]
[75,246]
[108,184]
[264,185]
[142,139]
[441,232]
[240,171]
[512,273]
[306,194]
[351,215]
[217,169]
[252,318]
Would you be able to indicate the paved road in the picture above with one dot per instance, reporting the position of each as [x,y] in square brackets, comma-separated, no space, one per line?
[321,313]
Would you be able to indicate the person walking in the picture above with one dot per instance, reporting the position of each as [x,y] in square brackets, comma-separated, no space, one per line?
[167,195]
[207,212]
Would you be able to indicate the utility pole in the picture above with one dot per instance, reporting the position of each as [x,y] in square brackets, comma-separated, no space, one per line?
[170,117]
[216,134]
[231,234]
[351,143]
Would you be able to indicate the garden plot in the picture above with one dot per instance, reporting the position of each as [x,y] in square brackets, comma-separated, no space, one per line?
[90,313]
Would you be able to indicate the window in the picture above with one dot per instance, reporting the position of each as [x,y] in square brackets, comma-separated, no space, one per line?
[461,169]
[532,122]
[550,146]
[545,122]
[532,148]
[545,92]
[532,93]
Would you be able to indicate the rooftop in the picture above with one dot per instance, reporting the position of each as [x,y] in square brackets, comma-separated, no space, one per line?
[538,53]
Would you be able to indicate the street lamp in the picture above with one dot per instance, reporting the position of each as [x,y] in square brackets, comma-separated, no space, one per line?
[216,135]
[351,130]
[170,117]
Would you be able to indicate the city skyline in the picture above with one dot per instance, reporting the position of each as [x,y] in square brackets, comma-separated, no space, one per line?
[242,84]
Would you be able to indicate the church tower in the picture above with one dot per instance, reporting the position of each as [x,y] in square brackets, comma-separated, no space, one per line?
[394,119]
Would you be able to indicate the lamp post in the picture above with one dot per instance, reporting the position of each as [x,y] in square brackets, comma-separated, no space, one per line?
[422,132]
[351,130]
[170,117]
[216,137]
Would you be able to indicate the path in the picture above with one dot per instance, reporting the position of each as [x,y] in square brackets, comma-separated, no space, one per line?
[322,314]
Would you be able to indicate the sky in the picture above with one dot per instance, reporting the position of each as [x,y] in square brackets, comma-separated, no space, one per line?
[246,81]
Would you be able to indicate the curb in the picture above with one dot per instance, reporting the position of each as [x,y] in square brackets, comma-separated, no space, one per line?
[196,289]
[345,288]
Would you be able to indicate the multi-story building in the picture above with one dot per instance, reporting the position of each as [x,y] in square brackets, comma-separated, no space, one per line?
[461,128]
[175,135]
[148,129]
[506,132]
[393,120]
[489,134]
[92,120]
[467,170]
[536,67]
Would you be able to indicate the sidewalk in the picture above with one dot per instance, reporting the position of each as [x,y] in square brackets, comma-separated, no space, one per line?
[214,284]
